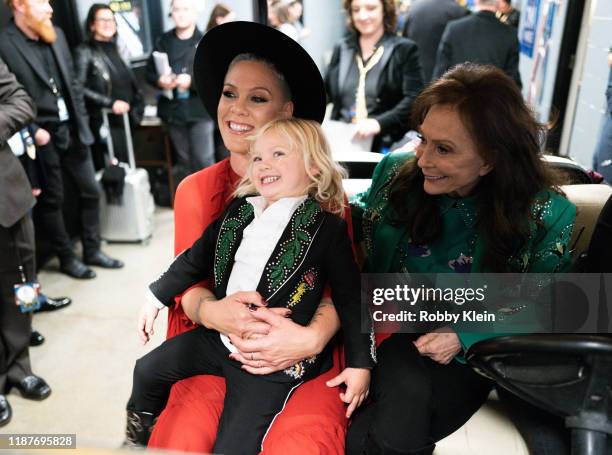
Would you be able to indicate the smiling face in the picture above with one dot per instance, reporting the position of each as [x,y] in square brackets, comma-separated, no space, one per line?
[104,26]
[251,97]
[447,154]
[367,17]
[277,169]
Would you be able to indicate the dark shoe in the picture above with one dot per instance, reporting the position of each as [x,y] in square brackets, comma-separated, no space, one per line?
[102,260]
[33,388]
[5,411]
[138,429]
[52,304]
[36,338]
[76,269]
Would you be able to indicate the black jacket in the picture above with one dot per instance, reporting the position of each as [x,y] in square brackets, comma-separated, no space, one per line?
[425,24]
[17,111]
[400,81]
[93,70]
[177,111]
[30,72]
[479,38]
[313,250]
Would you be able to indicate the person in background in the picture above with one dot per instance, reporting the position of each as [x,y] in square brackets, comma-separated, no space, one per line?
[296,11]
[425,24]
[479,38]
[430,211]
[282,13]
[190,126]
[220,14]
[374,76]
[243,100]
[602,158]
[17,263]
[507,13]
[108,83]
[39,56]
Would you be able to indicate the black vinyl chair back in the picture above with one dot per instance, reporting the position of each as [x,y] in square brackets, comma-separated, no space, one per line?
[568,375]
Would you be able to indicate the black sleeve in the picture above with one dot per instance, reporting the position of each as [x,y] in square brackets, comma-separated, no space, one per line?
[332,72]
[409,74]
[82,60]
[188,268]
[444,54]
[345,281]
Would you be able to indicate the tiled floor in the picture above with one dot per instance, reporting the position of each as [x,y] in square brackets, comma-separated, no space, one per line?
[92,345]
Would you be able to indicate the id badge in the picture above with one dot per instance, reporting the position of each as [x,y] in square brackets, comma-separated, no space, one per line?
[62,109]
[26,297]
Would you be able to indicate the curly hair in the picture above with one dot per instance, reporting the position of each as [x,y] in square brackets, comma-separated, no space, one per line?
[389,15]
[306,137]
[507,137]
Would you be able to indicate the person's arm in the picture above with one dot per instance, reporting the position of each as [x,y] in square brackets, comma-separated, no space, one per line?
[17,107]
[444,55]
[344,279]
[409,74]
[82,60]
[512,64]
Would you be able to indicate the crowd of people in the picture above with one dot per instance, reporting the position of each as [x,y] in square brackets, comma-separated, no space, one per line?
[265,239]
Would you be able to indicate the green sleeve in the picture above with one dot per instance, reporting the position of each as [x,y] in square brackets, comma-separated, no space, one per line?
[549,254]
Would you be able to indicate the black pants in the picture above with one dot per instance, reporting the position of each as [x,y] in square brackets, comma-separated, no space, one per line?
[77,163]
[415,401]
[194,144]
[251,402]
[15,327]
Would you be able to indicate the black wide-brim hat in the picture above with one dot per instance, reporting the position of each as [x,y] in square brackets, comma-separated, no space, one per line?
[221,44]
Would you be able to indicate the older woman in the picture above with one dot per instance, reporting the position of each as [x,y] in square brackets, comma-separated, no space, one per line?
[374,75]
[274,76]
[475,197]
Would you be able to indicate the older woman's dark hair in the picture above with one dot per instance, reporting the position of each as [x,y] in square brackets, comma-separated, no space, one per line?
[91,18]
[220,10]
[389,15]
[507,137]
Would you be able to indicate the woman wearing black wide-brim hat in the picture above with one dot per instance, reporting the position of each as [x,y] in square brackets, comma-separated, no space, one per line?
[246,75]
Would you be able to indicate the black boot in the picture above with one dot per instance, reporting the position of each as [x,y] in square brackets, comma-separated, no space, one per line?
[138,429]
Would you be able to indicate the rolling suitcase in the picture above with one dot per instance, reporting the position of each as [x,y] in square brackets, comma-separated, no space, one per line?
[132,219]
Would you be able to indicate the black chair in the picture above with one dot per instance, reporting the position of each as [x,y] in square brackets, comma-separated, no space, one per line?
[567,375]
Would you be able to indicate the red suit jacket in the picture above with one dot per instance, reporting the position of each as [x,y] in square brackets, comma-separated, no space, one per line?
[313,420]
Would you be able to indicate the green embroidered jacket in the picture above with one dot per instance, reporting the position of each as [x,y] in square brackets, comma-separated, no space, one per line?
[459,248]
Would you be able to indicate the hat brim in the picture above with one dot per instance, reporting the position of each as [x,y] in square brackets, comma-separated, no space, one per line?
[221,44]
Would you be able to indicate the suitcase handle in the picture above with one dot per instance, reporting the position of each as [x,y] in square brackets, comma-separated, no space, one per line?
[128,136]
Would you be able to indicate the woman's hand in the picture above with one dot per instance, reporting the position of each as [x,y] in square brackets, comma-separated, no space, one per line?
[366,128]
[357,382]
[285,344]
[440,345]
[41,137]
[120,107]
[148,314]
[183,81]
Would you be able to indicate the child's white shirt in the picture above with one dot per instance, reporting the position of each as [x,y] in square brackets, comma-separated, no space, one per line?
[259,239]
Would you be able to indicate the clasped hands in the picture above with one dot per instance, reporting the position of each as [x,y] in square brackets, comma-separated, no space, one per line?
[266,339]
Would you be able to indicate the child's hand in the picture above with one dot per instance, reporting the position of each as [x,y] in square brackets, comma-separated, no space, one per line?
[148,314]
[357,382]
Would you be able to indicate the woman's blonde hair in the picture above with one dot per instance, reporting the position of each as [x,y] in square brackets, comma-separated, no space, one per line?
[307,137]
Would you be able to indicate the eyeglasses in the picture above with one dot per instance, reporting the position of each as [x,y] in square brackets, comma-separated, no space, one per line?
[105,19]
